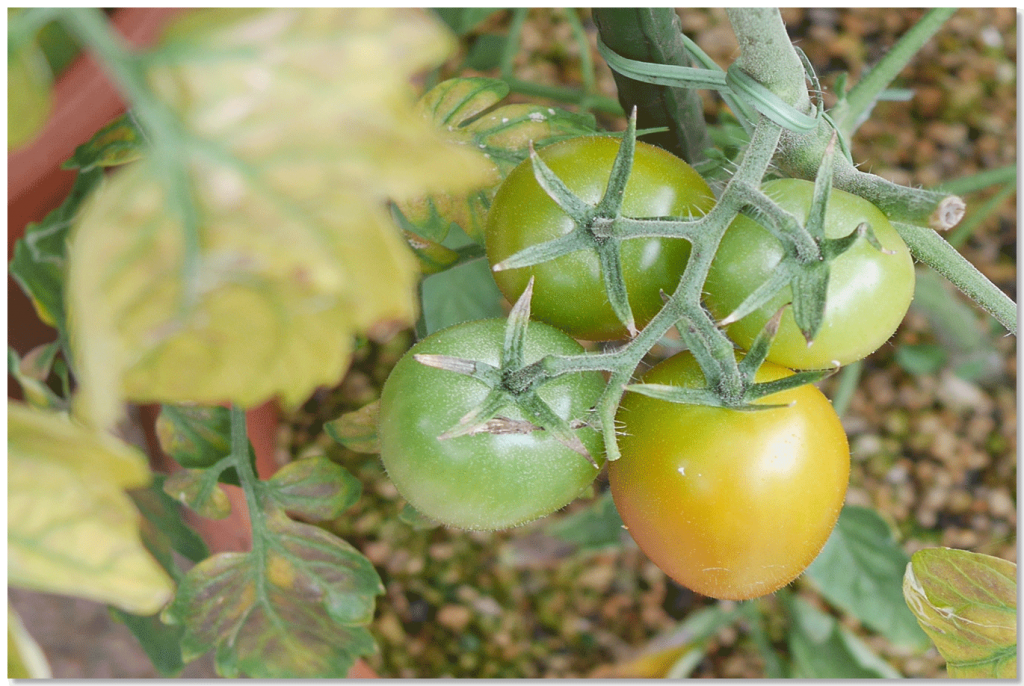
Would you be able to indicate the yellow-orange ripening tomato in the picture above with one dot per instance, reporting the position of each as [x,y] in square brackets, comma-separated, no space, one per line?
[731,504]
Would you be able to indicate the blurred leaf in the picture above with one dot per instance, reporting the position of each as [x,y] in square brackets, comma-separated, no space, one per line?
[598,526]
[461,108]
[860,571]
[921,359]
[673,652]
[486,51]
[59,46]
[296,611]
[357,430]
[117,143]
[967,604]
[416,519]
[161,642]
[25,659]
[198,436]
[462,294]
[71,528]
[433,256]
[314,489]
[29,99]
[197,489]
[40,256]
[462,20]
[775,665]
[240,258]
[163,528]
[31,373]
[822,649]
[958,327]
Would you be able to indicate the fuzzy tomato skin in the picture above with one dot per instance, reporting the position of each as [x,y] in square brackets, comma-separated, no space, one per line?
[569,291]
[484,481]
[731,504]
[869,292]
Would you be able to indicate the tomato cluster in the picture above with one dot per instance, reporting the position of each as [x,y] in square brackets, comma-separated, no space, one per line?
[732,504]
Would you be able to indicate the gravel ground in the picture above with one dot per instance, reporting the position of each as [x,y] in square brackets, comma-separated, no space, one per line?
[934,453]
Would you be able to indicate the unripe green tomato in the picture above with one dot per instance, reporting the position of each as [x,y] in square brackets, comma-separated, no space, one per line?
[569,291]
[483,481]
[869,291]
[731,504]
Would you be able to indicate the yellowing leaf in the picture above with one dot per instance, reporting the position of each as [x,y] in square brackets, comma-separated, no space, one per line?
[197,489]
[357,430]
[295,607]
[250,277]
[71,528]
[461,108]
[967,604]
[28,95]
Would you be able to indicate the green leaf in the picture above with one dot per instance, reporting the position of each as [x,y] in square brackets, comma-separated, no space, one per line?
[860,571]
[598,526]
[25,659]
[198,436]
[967,603]
[163,528]
[299,610]
[465,293]
[822,649]
[240,259]
[71,528]
[314,488]
[197,489]
[161,642]
[357,430]
[117,143]
[40,256]
[486,51]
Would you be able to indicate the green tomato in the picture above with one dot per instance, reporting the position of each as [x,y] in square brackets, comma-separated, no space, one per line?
[869,291]
[483,481]
[731,504]
[569,291]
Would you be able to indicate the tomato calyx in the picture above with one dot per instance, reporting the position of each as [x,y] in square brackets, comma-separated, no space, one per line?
[511,383]
[738,390]
[808,254]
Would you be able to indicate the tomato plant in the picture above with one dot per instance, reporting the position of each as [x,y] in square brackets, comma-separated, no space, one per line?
[731,504]
[569,291]
[869,291]
[486,480]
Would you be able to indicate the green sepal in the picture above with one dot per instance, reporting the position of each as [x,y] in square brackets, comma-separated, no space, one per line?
[677,394]
[608,253]
[810,289]
[769,388]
